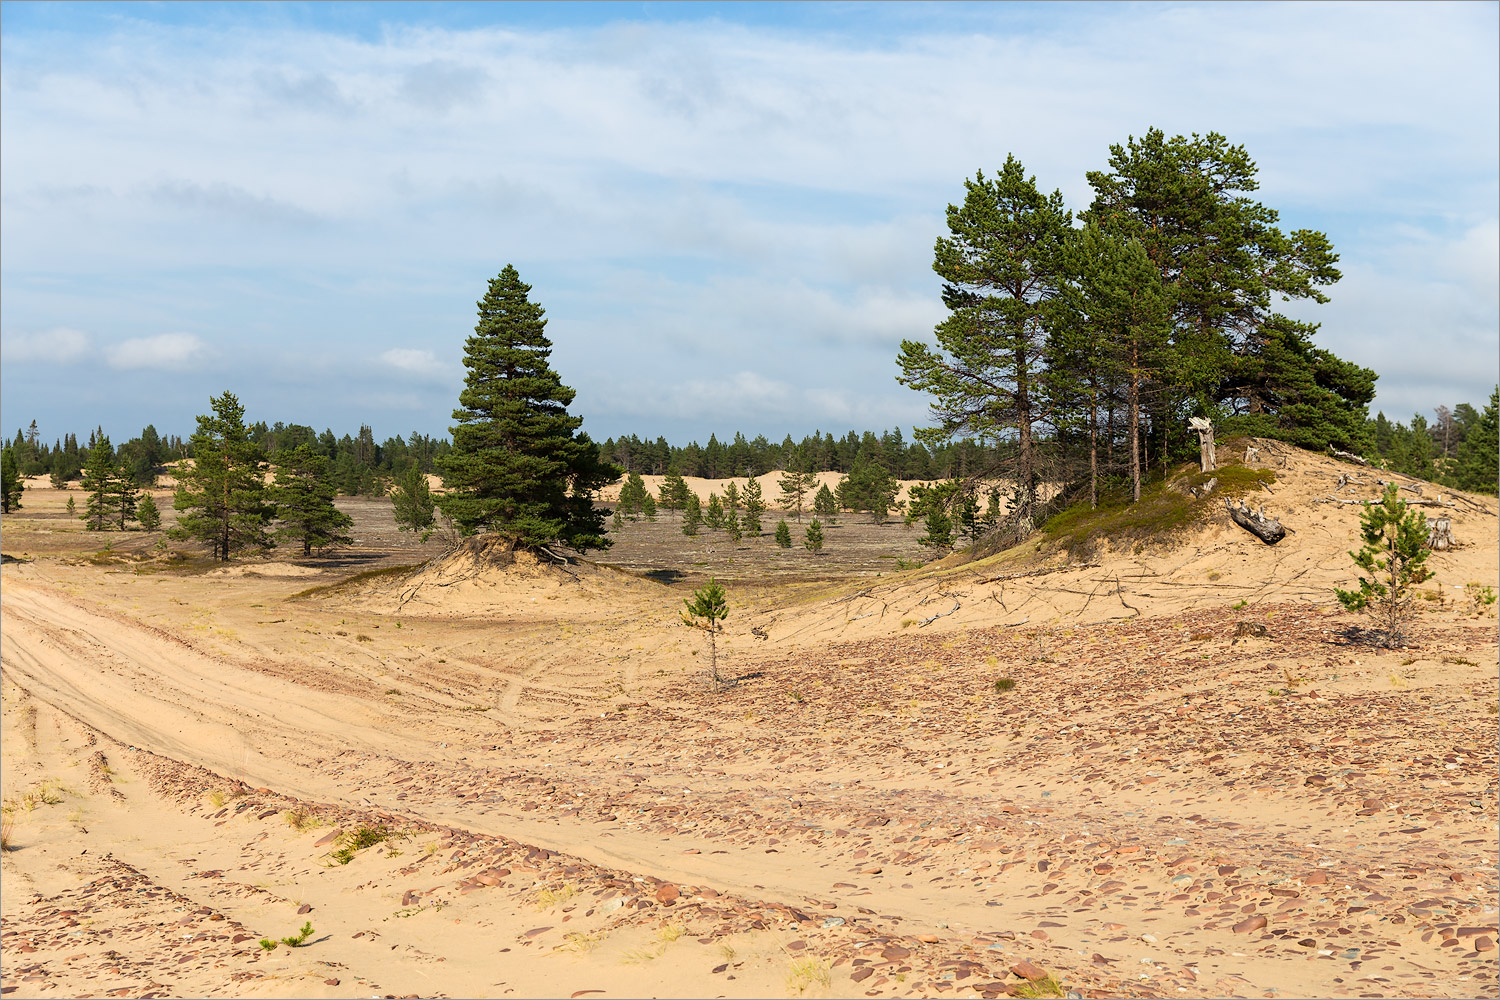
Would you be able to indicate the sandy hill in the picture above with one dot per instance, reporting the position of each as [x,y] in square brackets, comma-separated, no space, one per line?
[1145,573]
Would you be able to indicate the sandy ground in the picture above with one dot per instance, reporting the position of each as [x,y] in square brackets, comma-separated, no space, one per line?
[1156,805]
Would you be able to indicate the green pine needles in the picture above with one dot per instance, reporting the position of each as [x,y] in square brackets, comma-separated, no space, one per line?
[707,610]
[1394,556]
[520,466]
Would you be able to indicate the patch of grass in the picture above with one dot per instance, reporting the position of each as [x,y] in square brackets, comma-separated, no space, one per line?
[581,943]
[7,825]
[1164,507]
[363,638]
[550,897]
[1036,989]
[216,798]
[807,972]
[356,840]
[368,576]
[1004,684]
[670,933]
[905,564]
[1459,661]
[300,819]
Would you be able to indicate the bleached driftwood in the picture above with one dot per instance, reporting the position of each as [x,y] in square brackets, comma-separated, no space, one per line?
[1346,455]
[1267,529]
[1440,534]
[1207,488]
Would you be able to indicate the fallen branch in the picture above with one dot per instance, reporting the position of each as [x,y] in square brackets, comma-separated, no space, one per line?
[1349,456]
[942,614]
[1267,529]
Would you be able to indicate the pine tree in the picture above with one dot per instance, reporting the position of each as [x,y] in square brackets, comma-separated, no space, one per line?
[814,540]
[1478,460]
[824,505]
[519,464]
[125,495]
[755,506]
[648,506]
[732,497]
[794,486]
[713,514]
[11,485]
[303,493]
[99,485]
[673,492]
[783,534]
[732,525]
[222,497]
[411,502]
[939,528]
[147,513]
[706,610]
[1001,264]
[1394,553]
[692,514]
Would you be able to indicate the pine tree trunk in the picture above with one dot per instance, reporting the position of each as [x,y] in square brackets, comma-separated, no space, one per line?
[1023,425]
[1094,450]
[1135,433]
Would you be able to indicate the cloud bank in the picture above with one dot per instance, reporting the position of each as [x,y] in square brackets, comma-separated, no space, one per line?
[725,221]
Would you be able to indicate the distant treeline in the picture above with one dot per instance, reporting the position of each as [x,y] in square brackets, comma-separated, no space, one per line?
[359,465]
[1457,448]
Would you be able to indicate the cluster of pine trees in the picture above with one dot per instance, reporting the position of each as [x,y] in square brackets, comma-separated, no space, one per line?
[1457,449]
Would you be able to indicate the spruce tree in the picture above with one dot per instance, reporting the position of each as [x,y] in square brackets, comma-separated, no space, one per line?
[411,502]
[814,540]
[99,485]
[519,465]
[783,534]
[692,514]
[147,513]
[303,493]
[222,497]
[755,506]
[10,482]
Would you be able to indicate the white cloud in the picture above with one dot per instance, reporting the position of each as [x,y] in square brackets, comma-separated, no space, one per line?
[166,351]
[59,345]
[416,362]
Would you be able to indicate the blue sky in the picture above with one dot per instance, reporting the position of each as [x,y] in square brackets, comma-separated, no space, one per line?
[728,211]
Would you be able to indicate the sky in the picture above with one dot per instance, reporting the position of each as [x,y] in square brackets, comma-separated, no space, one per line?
[727,211]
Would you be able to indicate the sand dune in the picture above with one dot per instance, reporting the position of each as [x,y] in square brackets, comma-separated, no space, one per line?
[1157,805]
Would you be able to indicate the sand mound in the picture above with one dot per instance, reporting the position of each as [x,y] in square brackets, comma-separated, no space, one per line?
[1208,562]
[489,576]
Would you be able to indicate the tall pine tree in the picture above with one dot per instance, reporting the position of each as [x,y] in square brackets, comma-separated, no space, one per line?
[222,496]
[520,466]
[303,493]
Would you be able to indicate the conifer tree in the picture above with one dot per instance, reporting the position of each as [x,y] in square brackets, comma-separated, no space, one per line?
[814,540]
[222,497]
[824,505]
[412,504]
[674,492]
[147,513]
[1394,554]
[519,464]
[732,525]
[706,610]
[11,485]
[713,514]
[755,506]
[794,487]
[1478,464]
[125,495]
[732,497]
[303,493]
[692,514]
[939,528]
[783,534]
[648,506]
[99,485]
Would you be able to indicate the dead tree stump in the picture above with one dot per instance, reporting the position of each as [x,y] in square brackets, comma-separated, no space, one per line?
[1440,534]
[1206,458]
